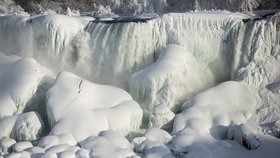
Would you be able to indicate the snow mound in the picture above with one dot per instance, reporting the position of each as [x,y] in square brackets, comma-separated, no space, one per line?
[229,102]
[107,144]
[165,85]
[5,145]
[84,108]
[153,143]
[21,146]
[22,127]
[23,82]
[206,116]
[54,140]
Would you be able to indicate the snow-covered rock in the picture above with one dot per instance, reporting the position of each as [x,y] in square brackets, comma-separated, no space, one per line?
[206,116]
[175,77]
[54,140]
[21,146]
[227,103]
[159,135]
[107,144]
[5,145]
[84,108]
[153,143]
[22,127]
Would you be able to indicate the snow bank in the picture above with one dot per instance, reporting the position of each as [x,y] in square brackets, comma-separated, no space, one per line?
[165,85]
[84,108]
[22,127]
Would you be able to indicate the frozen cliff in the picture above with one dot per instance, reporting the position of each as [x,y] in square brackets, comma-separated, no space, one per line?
[211,79]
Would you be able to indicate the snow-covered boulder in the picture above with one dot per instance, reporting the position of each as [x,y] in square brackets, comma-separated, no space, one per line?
[5,145]
[23,84]
[107,144]
[84,108]
[22,127]
[159,135]
[227,103]
[54,140]
[21,146]
[153,143]
[206,116]
[166,84]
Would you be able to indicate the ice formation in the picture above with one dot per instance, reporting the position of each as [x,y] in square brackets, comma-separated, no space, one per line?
[165,84]
[83,108]
[22,127]
[222,65]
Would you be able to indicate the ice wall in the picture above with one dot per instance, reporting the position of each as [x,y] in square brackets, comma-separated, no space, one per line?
[110,53]
[231,45]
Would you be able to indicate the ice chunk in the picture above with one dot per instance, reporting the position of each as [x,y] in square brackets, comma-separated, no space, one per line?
[83,108]
[108,144]
[22,127]
[153,143]
[5,145]
[115,139]
[245,134]
[52,140]
[20,146]
[156,134]
[175,77]
[35,150]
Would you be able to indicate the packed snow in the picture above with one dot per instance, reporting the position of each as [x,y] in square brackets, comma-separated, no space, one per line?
[199,84]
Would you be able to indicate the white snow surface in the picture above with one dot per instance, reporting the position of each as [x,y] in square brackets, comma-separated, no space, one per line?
[163,62]
[84,108]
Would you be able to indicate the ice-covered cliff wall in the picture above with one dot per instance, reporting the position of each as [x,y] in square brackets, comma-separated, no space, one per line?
[111,52]
[230,45]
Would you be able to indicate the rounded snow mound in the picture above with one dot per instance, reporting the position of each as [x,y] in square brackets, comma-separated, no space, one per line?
[84,108]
